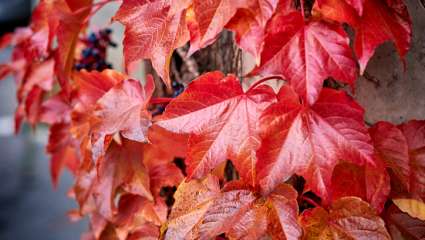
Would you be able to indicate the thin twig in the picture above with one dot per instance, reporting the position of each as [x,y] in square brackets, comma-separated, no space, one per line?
[371,79]
[265,79]
[310,201]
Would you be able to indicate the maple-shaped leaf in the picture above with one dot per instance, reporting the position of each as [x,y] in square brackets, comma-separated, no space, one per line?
[306,53]
[89,87]
[232,211]
[402,226]
[274,216]
[56,109]
[401,147]
[123,109]
[36,81]
[70,25]
[211,18]
[122,166]
[162,171]
[212,109]
[249,24]
[371,183]
[381,21]
[135,212]
[311,140]
[82,191]
[193,199]
[63,149]
[347,218]
[151,32]
[161,139]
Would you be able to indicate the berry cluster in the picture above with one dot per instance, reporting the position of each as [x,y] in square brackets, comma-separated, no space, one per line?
[178,88]
[93,56]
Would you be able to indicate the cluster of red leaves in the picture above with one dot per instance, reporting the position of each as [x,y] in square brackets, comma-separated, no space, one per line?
[102,131]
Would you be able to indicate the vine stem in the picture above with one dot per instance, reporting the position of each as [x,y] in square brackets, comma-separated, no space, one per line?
[160,100]
[302,7]
[311,201]
[263,80]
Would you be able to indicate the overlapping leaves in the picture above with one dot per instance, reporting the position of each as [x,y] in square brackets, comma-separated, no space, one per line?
[101,130]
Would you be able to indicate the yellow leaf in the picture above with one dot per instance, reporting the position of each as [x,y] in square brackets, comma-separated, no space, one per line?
[413,207]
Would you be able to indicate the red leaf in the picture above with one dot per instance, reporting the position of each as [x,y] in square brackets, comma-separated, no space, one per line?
[348,218]
[123,109]
[311,141]
[158,159]
[152,33]
[225,210]
[402,149]
[68,30]
[381,21]
[56,109]
[212,109]
[192,201]
[202,211]
[249,24]
[306,53]
[63,149]
[371,183]
[89,87]
[136,212]
[212,16]
[122,166]
[44,23]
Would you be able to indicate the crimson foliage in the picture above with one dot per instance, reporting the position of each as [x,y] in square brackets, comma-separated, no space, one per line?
[123,159]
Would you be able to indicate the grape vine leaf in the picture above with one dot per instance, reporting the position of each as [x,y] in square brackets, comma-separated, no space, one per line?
[123,109]
[211,110]
[249,24]
[203,211]
[381,21]
[136,213]
[152,32]
[212,16]
[31,90]
[56,109]
[347,218]
[158,159]
[122,166]
[89,87]
[371,183]
[311,140]
[306,53]
[64,151]
[401,147]
[71,23]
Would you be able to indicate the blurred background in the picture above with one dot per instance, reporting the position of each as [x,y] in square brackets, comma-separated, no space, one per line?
[31,209]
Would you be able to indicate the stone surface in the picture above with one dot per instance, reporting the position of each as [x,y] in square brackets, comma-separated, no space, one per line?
[398,95]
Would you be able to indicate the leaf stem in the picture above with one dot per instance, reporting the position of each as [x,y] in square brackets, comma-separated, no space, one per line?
[310,201]
[302,8]
[160,100]
[263,80]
